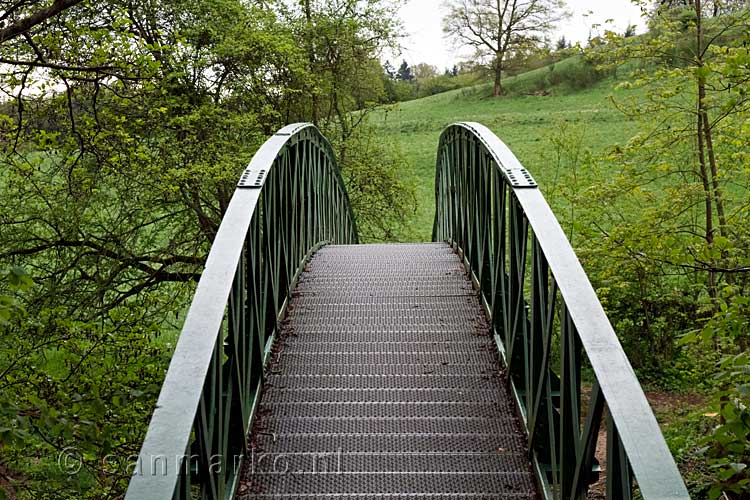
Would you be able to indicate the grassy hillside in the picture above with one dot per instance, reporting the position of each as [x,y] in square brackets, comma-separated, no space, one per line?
[527,123]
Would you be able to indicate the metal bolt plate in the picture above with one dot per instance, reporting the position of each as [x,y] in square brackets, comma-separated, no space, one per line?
[253,178]
[516,175]
[519,177]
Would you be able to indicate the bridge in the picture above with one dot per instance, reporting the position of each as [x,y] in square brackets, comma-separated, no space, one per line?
[478,366]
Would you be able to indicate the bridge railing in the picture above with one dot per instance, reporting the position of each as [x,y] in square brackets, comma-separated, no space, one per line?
[549,325]
[289,201]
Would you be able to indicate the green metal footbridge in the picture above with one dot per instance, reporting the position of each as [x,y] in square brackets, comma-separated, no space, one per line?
[479,366]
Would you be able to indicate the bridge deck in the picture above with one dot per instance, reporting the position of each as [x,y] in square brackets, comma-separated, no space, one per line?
[385,375]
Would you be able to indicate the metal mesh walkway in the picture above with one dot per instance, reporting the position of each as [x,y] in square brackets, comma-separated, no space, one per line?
[385,383]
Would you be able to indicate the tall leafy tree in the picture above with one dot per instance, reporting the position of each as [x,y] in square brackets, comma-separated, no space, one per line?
[20,17]
[667,231]
[496,29]
[389,70]
[344,40]
[138,169]
[424,71]
[125,126]
[710,7]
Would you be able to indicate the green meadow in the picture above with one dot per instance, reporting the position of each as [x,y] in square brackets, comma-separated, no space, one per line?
[526,121]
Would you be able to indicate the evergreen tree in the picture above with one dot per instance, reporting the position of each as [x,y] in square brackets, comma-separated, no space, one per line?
[404,72]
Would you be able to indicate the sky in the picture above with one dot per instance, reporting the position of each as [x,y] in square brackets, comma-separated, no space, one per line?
[425,42]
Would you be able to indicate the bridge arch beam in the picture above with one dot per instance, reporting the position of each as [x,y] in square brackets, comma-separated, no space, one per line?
[290,201]
[549,325]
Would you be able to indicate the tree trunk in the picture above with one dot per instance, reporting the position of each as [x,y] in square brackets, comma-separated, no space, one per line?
[709,203]
[701,134]
[311,57]
[707,132]
[498,88]
[718,196]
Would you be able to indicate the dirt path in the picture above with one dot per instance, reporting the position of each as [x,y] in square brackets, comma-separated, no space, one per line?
[665,406]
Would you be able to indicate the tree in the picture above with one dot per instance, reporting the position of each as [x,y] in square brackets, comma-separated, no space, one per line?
[135,118]
[389,70]
[452,72]
[379,188]
[671,4]
[424,74]
[124,125]
[562,44]
[404,72]
[424,71]
[709,8]
[27,15]
[344,39]
[496,29]
[680,248]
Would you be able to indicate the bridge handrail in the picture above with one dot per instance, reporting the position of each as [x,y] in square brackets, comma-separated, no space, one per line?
[489,207]
[290,200]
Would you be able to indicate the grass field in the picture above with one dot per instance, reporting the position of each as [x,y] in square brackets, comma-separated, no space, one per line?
[527,123]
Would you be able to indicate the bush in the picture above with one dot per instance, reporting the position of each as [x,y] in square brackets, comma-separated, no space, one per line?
[382,194]
[727,447]
[579,74]
[572,74]
[74,397]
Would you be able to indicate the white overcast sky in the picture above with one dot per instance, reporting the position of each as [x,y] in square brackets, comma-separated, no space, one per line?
[425,42]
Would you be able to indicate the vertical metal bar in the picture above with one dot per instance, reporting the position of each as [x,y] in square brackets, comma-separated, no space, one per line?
[535,370]
[586,458]
[486,207]
[619,480]
[517,279]
[570,390]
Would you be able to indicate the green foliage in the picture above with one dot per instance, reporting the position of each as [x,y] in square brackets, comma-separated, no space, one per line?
[673,217]
[58,398]
[582,73]
[342,39]
[536,72]
[727,445]
[379,186]
[404,72]
[12,281]
[78,391]
[657,215]
[685,433]
[572,74]
[523,122]
[398,90]
[647,309]
[116,170]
